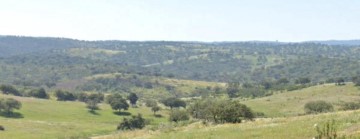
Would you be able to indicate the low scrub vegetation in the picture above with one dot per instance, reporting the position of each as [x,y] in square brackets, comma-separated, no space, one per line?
[135,122]
[319,106]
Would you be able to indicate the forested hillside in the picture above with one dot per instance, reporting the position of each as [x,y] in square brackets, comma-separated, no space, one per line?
[32,61]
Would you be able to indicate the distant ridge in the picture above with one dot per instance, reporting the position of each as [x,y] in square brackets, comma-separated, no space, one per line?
[339,42]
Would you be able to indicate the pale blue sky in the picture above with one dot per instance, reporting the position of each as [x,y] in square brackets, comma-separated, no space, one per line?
[194,20]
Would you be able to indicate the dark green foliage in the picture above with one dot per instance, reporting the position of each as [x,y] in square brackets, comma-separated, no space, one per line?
[174,102]
[133,98]
[220,111]
[117,102]
[38,93]
[350,106]
[318,106]
[136,122]
[9,89]
[62,95]
[9,104]
[356,80]
[97,97]
[233,89]
[155,109]
[150,103]
[177,115]
[302,80]
[340,81]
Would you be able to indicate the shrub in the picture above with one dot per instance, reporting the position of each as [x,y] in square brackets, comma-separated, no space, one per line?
[64,95]
[328,131]
[39,93]
[350,106]
[178,115]
[2,128]
[136,122]
[220,111]
[318,107]
[174,102]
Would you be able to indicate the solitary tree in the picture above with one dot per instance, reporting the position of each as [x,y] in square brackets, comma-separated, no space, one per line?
[117,102]
[92,105]
[155,109]
[9,104]
[133,98]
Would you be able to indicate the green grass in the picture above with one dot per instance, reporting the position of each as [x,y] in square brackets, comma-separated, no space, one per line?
[292,103]
[301,127]
[54,119]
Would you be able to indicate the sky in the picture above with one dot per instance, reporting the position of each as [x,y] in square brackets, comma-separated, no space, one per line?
[183,20]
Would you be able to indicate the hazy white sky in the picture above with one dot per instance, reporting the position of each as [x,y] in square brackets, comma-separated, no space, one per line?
[195,20]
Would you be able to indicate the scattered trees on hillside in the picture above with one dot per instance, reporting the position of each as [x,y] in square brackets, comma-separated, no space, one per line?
[318,106]
[9,104]
[174,103]
[136,122]
[117,102]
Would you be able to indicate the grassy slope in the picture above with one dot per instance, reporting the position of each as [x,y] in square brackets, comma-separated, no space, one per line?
[288,104]
[54,119]
[301,127]
[292,103]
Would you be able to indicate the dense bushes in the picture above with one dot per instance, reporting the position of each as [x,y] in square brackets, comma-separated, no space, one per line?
[38,93]
[136,122]
[319,106]
[174,102]
[177,115]
[64,95]
[8,89]
[220,111]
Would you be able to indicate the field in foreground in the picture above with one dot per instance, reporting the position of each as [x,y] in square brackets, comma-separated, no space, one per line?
[45,119]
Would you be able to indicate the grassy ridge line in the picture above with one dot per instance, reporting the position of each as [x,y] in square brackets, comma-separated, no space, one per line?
[301,127]
[292,103]
[44,119]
